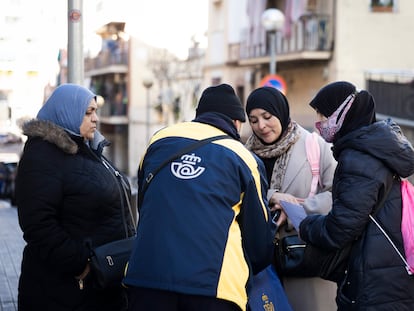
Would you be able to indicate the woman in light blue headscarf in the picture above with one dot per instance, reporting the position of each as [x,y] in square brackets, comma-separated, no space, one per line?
[61,110]
[66,106]
[70,199]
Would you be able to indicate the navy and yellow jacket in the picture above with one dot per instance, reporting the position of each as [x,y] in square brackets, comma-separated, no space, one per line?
[204,224]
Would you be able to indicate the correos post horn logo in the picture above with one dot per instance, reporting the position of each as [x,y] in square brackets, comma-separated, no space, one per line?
[187,167]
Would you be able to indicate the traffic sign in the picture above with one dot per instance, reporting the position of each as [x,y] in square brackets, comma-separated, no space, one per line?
[275,81]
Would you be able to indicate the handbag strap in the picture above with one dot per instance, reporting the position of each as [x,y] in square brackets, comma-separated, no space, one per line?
[120,180]
[407,266]
[176,155]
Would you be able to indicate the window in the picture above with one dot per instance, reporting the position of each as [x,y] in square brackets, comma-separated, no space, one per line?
[383,5]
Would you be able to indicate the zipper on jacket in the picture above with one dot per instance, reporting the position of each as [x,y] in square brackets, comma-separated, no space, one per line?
[292,247]
[80,281]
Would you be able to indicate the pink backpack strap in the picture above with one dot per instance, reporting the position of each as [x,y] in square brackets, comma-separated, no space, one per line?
[313,154]
[407,222]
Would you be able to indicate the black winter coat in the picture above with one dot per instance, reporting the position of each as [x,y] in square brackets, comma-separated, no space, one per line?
[68,202]
[368,161]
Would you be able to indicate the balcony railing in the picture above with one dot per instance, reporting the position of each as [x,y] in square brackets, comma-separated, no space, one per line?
[106,59]
[112,108]
[312,33]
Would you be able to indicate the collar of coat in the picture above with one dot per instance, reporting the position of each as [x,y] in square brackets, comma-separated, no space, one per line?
[52,133]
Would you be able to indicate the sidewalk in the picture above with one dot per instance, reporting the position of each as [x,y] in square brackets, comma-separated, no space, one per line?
[11,247]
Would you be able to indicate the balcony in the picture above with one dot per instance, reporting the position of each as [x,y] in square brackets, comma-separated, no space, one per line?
[115,110]
[310,39]
[108,73]
[107,62]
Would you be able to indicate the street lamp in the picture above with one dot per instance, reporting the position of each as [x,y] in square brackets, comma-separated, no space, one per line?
[273,21]
[147,82]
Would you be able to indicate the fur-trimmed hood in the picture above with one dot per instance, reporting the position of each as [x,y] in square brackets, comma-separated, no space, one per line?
[52,133]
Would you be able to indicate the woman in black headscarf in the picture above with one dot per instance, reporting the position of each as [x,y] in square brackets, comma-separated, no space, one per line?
[281,144]
[371,156]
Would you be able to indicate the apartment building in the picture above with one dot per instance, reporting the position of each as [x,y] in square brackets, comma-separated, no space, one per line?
[143,87]
[321,41]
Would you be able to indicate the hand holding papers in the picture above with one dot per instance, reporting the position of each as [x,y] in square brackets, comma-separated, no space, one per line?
[295,212]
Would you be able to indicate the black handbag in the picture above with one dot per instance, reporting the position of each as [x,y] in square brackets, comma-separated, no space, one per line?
[295,258]
[108,261]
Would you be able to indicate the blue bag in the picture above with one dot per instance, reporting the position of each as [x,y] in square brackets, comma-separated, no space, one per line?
[267,293]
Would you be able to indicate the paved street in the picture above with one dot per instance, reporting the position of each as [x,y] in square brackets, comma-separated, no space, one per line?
[11,247]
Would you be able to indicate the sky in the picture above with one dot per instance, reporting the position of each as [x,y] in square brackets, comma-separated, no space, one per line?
[35,30]
[161,23]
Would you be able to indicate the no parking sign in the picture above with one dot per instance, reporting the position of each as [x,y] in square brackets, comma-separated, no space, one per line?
[275,81]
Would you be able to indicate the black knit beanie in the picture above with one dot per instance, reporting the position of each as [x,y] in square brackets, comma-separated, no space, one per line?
[221,98]
[361,113]
[331,96]
[273,101]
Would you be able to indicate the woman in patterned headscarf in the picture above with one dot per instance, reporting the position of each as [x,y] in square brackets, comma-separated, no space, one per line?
[69,199]
[371,156]
[281,144]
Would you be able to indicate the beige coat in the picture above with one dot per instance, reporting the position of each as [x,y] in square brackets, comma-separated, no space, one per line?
[309,294]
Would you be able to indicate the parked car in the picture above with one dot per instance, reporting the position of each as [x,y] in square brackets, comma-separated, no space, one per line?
[10,149]
[7,178]
[10,138]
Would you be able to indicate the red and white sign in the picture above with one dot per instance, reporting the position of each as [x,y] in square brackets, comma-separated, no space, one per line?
[75,16]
